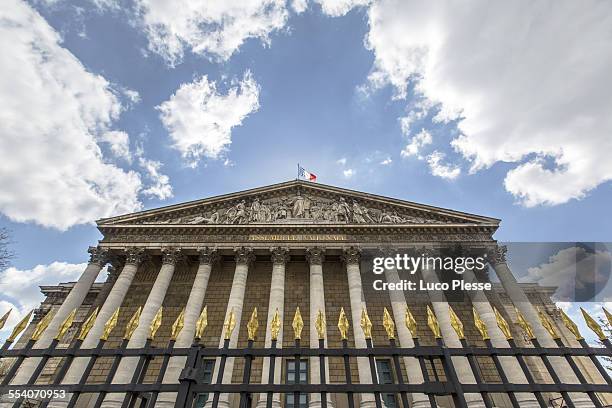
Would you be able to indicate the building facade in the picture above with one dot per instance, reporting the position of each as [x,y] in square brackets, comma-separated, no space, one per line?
[283,247]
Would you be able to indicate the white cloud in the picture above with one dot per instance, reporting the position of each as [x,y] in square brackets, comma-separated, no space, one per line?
[418,141]
[299,6]
[341,161]
[386,161]
[53,113]
[200,119]
[160,183]
[338,8]
[439,169]
[213,28]
[348,173]
[119,143]
[524,80]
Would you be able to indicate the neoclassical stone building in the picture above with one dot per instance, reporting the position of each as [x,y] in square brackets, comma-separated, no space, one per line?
[277,248]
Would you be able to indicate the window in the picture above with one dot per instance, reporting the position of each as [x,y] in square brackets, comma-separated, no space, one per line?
[205,378]
[302,373]
[385,376]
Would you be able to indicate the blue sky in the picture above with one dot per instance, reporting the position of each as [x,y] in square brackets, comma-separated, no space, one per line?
[499,110]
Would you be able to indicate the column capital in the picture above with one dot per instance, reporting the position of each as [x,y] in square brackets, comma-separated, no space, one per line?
[498,255]
[207,255]
[244,255]
[134,256]
[315,255]
[279,255]
[170,256]
[351,255]
[98,256]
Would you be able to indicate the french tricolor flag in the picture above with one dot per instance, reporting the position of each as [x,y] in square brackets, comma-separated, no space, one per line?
[306,175]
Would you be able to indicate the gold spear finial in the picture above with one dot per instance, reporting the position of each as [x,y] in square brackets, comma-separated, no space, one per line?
[132,324]
[480,325]
[275,325]
[520,319]
[343,324]
[411,323]
[571,326]
[178,325]
[65,325]
[298,324]
[156,323]
[229,325]
[433,324]
[253,325]
[42,325]
[593,325]
[320,324]
[502,324]
[88,324]
[456,323]
[20,327]
[608,315]
[365,323]
[388,324]
[548,325]
[4,318]
[110,325]
[202,323]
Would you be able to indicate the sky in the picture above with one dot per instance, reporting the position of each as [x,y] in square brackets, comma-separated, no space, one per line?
[109,107]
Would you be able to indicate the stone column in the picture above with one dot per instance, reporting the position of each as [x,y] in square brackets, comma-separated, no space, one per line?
[193,308]
[98,259]
[280,256]
[315,257]
[243,256]
[352,257]
[133,258]
[404,337]
[440,308]
[522,303]
[126,368]
[511,367]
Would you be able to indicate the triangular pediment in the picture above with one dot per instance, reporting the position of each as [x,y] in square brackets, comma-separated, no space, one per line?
[298,203]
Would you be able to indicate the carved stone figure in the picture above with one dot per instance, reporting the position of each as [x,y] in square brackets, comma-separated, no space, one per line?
[237,214]
[385,218]
[343,212]
[299,206]
[358,214]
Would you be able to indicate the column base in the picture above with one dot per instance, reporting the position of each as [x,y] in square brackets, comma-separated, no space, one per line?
[421,401]
[262,402]
[223,402]
[371,403]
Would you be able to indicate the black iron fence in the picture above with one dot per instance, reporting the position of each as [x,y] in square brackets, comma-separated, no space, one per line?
[191,383]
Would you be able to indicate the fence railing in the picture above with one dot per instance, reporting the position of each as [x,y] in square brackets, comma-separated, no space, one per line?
[190,383]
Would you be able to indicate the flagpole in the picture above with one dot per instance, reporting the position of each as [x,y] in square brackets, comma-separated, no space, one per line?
[298,171]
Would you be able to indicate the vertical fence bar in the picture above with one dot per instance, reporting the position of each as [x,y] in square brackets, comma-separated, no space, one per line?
[162,372]
[602,371]
[553,373]
[451,375]
[298,371]
[85,376]
[41,365]
[373,372]
[111,373]
[271,368]
[187,376]
[521,360]
[138,373]
[578,373]
[502,373]
[426,380]
[9,376]
[216,395]
[246,374]
[400,375]
[322,375]
[477,375]
[347,374]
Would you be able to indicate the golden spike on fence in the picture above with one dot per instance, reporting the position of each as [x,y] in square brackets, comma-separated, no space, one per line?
[571,326]
[110,325]
[229,325]
[298,324]
[275,325]
[456,323]
[4,318]
[65,325]
[42,325]
[178,325]
[547,324]
[388,324]
[343,324]
[202,323]
[524,324]
[411,323]
[366,324]
[480,325]
[320,324]
[502,324]
[433,324]
[20,327]
[88,324]
[132,324]
[156,323]
[608,315]
[253,325]
[593,325]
